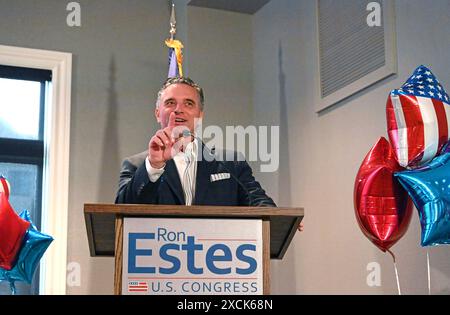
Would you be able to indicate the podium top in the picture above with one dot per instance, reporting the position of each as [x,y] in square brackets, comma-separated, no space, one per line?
[100,221]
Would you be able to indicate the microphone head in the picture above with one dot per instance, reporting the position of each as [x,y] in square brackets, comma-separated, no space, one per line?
[186,133]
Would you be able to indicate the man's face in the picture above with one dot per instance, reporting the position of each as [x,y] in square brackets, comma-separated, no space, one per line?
[184,101]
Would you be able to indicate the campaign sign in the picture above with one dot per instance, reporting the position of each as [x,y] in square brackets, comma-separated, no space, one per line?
[192,256]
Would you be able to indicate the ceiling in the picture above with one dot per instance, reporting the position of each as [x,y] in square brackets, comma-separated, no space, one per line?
[242,6]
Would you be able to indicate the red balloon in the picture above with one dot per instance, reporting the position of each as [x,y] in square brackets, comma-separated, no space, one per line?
[12,231]
[383,208]
[4,186]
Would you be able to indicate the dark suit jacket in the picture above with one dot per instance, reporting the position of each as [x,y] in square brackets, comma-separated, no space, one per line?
[136,187]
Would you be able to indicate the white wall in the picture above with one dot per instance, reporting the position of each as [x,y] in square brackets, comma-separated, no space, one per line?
[256,70]
[220,58]
[321,154]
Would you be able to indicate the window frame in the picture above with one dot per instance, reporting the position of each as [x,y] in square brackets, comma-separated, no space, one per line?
[27,151]
[56,137]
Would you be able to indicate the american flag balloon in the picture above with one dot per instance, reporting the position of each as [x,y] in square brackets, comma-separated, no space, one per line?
[418,119]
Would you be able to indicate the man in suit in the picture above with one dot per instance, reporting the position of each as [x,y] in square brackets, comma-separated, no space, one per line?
[178,168]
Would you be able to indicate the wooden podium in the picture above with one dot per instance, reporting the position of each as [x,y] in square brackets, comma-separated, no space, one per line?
[104,224]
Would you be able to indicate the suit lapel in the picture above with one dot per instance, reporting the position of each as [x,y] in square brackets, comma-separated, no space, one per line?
[205,167]
[173,180]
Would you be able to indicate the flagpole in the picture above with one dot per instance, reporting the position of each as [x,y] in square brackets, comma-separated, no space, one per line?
[173,23]
[176,46]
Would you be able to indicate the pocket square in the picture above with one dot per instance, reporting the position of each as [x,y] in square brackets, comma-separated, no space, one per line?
[219,176]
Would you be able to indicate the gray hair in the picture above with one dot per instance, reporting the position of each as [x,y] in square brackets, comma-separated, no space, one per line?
[182,80]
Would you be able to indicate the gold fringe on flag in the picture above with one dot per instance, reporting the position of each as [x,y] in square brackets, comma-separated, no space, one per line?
[177,46]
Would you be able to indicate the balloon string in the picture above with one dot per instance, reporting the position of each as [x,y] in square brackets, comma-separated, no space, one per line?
[396,271]
[429,277]
[13,287]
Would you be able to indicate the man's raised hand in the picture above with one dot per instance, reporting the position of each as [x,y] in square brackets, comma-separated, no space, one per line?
[160,145]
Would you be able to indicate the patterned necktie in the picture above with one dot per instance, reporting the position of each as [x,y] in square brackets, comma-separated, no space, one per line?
[188,181]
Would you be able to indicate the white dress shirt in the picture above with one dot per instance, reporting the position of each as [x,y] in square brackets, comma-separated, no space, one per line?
[180,161]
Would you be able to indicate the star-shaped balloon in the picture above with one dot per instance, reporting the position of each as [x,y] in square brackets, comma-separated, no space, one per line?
[446,148]
[429,188]
[417,119]
[12,231]
[33,247]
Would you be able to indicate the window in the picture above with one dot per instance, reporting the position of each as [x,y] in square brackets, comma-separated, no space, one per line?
[55,174]
[22,103]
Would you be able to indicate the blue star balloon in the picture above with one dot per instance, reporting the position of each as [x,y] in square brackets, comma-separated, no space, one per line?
[33,247]
[446,148]
[429,188]
[25,214]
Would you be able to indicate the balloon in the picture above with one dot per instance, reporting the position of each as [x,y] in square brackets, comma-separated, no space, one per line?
[4,186]
[429,188]
[446,148]
[416,119]
[12,231]
[382,207]
[25,214]
[34,246]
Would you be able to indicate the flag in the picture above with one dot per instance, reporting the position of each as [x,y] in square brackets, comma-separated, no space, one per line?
[137,286]
[418,119]
[173,64]
[175,58]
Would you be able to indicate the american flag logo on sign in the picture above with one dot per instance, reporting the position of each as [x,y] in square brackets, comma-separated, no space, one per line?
[418,118]
[137,286]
